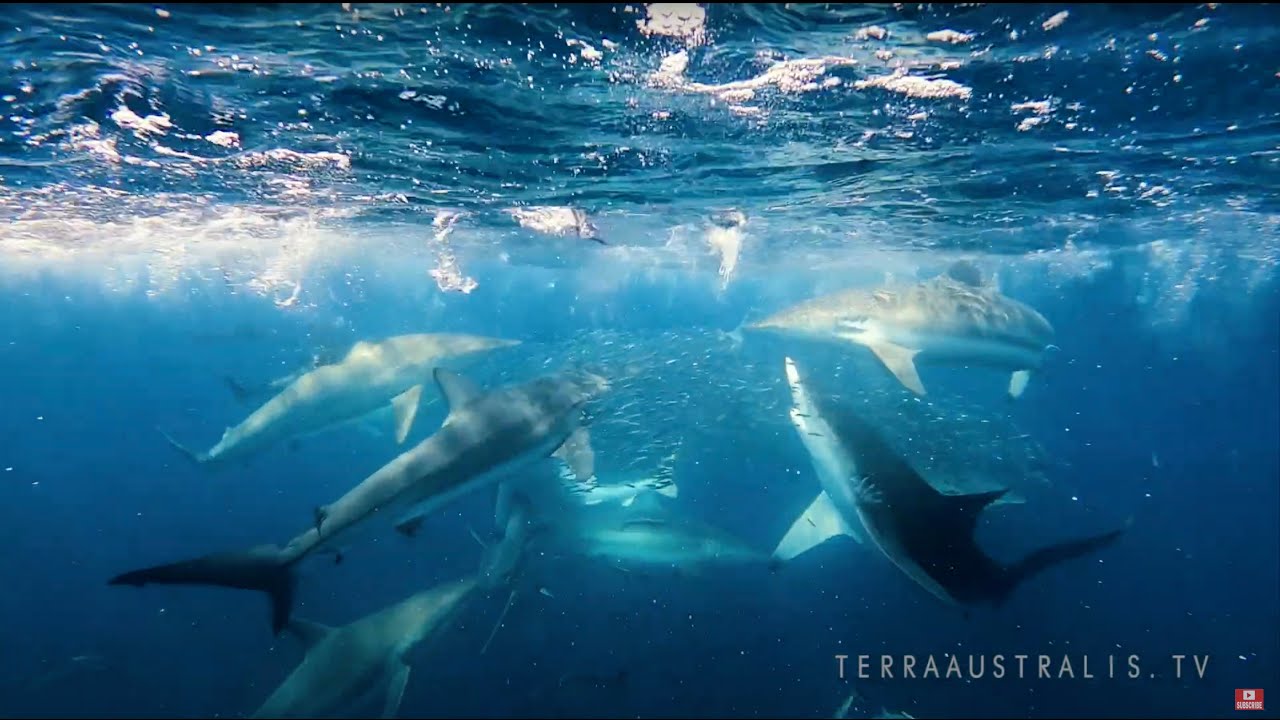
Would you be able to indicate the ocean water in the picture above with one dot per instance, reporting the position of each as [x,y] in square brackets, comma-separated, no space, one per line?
[198,199]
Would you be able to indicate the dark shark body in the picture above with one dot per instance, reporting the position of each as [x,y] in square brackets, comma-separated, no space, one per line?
[927,534]
[485,435]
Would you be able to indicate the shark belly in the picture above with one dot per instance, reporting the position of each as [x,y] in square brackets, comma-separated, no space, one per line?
[836,513]
[320,400]
[955,345]
[877,518]
[639,548]
[423,501]
[833,467]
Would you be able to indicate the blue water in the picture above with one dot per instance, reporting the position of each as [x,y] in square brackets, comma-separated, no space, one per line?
[192,194]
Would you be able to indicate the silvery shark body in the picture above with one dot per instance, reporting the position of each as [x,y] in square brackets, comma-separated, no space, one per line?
[872,492]
[636,527]
[370,377]
[662,541]
[485,435]
[370,656]
[951,319]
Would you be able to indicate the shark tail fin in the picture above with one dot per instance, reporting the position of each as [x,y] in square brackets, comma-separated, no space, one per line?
[195,457]
[262,568]
[1045,558]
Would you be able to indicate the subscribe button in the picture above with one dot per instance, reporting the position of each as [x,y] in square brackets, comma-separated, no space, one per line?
[1248,699]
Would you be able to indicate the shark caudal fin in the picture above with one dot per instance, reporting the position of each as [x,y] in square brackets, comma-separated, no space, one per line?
[1045,558]
[195,457]
[262,568]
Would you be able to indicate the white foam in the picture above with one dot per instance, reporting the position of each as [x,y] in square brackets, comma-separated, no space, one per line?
[447,273]
[871,32]
[142,126]
[685,21]
[224,138]
[305,160]
[794,76]
[1056,20]
[949,36]
[548,219]
[916,86]
[727,242]
[160,243]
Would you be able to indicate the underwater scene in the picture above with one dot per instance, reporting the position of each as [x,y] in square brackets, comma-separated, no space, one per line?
[640,360]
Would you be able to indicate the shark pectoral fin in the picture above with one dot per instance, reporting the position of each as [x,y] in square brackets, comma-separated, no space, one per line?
[456,389]
[671,491]
[901,362]
[308,633]
[625,503]
[405,406]
[576,452]
[1018,382]
[395,691]
[818,523]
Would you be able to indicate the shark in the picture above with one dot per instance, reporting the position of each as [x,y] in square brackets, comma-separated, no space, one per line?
[370,656]
[541,514]
[683,544]
[842,712]
[622,492]
[485,435]
[952,319]
[246,392]
[927,534]
[371,376]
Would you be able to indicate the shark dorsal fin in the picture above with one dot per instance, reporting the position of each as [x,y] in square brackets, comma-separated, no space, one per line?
[363,347]
[456,389]
[309,632]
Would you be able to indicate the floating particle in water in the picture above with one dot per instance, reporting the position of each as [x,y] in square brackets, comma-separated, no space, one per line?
[161,12]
